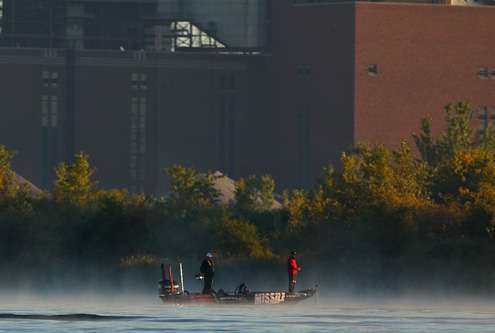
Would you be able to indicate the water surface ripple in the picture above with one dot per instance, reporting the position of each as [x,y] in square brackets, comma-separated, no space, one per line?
[148,315]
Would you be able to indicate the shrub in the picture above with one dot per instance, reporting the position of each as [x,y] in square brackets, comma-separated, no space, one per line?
[239,238]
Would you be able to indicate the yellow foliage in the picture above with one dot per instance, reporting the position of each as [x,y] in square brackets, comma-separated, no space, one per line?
[297,205]
[254,193]
[73,183]
[190,191]
[8,188]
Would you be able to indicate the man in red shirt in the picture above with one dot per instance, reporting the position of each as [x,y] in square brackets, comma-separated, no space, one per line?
[292,269]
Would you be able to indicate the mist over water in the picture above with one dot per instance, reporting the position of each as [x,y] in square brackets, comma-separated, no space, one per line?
[143,312]
[98,301]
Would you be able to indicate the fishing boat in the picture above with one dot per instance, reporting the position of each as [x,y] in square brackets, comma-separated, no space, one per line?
[173,292]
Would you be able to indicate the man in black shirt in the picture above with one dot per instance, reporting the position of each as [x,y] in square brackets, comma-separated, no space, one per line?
[207,269]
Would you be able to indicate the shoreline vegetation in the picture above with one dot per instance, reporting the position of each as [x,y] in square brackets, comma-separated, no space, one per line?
[384,218]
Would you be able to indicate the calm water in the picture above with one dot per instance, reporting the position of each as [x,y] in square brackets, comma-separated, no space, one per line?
[146,314]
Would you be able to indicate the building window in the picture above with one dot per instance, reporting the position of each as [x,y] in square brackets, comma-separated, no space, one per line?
[144,82]
[373,70]
[49,111]
[139,81]
[44,111]
[483,73]
[54,79]
[45,78]
[53,111]
[134,80]
[49,147]
[49,79]
[492,73]
[137,142]
[142,125]
[49,53]
[303,71]
[138,119]
[486,115]
[133,165]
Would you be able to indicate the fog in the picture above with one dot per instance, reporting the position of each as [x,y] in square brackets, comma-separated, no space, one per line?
[130,310]
[114,299]
[81,282]
[135,311]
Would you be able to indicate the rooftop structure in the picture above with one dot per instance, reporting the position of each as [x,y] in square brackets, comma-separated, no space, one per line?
[136,24]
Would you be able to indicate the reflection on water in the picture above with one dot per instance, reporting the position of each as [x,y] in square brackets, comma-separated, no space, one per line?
[147,314]
[64,317]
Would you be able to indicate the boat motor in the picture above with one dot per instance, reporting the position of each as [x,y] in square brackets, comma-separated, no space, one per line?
[166,284]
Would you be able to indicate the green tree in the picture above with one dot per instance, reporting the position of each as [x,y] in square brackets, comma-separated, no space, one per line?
[425,141]
[254,194]
[8,188]
[463,174]
[74,183]
[457,136]
[366,179]
[410,176]
[190,192]
[459,132]
[297,204]
[238,238]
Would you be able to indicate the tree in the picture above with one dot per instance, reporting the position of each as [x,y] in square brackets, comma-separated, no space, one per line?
[424,141]
[190,191]
[254,194]
[297,204]
[238,238]
[73,183]
[410,176]
[7,185]
[457,136]
[366,179]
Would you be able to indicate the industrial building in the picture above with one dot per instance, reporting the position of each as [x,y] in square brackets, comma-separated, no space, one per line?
[244,87]
[135,24]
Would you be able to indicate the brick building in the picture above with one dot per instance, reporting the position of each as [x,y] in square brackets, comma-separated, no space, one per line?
[334,74]
[370,71]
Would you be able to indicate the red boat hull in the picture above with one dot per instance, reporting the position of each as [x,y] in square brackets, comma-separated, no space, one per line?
[279,297]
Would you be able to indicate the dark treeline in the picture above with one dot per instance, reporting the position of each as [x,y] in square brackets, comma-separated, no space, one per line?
[384,217]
